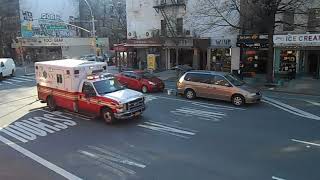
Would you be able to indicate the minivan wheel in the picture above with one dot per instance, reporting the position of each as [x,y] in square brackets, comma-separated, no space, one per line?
[238,100]
[108,116]
[190,94]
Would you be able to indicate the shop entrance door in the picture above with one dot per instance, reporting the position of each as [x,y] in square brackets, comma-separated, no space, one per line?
[314,64]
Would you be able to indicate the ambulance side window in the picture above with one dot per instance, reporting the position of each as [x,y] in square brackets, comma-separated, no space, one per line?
[88,89]
[59,78]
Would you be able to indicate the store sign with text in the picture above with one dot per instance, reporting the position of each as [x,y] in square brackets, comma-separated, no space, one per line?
[57,42]
[297,40]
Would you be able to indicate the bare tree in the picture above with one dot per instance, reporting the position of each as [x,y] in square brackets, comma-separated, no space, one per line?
[233,15]
[110,18]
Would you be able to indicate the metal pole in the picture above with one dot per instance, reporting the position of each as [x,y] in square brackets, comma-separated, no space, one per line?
[92,18]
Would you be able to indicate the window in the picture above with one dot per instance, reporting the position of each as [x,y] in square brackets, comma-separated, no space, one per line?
[313,19]
[59,78]
[88,88]
[163,28]
[288,19]
[221,81]
[179,26]
[200,78]
[76,71]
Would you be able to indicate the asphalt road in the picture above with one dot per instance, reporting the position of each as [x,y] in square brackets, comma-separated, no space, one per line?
[175,139]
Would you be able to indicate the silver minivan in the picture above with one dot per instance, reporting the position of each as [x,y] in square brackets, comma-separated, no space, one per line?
[217,85]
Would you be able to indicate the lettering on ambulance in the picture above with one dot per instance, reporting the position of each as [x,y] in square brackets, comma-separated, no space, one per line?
[31,129]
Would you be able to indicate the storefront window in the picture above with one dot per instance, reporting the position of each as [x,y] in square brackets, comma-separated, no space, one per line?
[288,61]
[221,59]
[254,61]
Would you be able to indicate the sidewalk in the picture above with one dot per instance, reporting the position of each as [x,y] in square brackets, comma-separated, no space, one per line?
[25,70]
[301,85]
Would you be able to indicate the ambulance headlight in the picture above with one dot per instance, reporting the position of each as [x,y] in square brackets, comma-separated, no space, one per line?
[121,108]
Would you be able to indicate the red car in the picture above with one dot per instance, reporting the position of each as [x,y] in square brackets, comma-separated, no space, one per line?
[141,81]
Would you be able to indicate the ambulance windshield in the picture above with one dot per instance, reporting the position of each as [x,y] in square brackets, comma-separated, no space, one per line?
[107,86]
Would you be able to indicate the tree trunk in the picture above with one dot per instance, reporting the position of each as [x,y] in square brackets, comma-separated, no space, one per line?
[270,74]
[270,70]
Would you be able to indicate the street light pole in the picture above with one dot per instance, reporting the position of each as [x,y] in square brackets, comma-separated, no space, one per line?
[92,19]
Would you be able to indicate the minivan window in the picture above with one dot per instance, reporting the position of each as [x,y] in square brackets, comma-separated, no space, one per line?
[221,81]
[201,78]
[234,80]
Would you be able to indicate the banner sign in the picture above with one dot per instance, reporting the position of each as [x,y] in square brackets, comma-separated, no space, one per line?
[297,40]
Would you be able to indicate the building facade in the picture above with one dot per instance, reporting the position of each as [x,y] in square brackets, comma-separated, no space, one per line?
[44,30]
[297,48]
[164,28]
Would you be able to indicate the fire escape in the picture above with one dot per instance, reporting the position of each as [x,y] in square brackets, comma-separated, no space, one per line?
[163,7]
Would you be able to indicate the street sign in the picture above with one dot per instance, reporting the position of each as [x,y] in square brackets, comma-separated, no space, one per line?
[56,27]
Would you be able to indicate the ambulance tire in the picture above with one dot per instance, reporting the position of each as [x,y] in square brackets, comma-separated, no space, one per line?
[51,104]
[107,116]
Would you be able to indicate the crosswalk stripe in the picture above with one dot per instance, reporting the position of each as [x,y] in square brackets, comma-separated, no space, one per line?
[6,82]
[13,80]
[24,79]
[29,77]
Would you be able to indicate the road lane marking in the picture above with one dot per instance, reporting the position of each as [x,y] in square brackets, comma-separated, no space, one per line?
[112,160]
[313,103]
[6,82]
[24,79]
[277,178]
[305,142]
[150,98]
[29,77]
[40,160]
[203,115]
[29,129]
[290,109]
[200,103]
[13,80]
[178,132]
[118,158]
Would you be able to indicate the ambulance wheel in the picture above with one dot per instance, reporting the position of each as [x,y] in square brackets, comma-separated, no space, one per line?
[51,104]
[108,116]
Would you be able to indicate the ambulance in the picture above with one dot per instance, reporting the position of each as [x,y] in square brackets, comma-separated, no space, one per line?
[86,87]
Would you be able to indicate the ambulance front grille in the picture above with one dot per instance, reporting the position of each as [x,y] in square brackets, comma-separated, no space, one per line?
[136,104]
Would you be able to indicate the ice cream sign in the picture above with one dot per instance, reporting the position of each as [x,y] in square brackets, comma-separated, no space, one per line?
[297,40]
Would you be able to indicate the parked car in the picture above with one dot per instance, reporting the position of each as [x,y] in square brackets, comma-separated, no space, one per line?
[181,69]
[217,85]
[141,81]
[7,67]
[92,57]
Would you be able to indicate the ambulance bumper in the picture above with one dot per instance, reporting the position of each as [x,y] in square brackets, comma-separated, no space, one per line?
[130,114]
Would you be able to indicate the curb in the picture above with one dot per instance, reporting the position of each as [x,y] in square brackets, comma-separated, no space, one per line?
[30,74]
[287,92]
